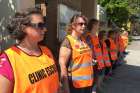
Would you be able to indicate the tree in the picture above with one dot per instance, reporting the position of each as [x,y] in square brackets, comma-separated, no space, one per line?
[120,11]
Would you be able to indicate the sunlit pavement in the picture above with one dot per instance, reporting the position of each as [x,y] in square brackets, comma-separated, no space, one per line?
[127,77]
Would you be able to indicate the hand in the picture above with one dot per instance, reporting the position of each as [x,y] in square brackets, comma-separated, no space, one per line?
[94,62]
[64,86]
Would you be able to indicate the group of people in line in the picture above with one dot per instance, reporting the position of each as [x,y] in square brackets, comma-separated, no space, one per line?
[87,56]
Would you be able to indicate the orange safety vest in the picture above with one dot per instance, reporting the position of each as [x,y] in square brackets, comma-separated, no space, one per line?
[113,49]
[33,74]
[105,54]
[80,69]
[120,43]
[97,51]
[125,41]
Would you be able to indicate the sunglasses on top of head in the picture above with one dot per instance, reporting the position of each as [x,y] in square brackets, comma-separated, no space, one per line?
[40,25]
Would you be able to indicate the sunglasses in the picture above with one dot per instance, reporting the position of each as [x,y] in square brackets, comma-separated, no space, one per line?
[40,25]
[81,24]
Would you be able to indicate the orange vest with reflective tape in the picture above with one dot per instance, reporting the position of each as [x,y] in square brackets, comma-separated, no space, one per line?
[97,51]
[80,67]
[120,44]
[113,50]
[33,74]
[105,54]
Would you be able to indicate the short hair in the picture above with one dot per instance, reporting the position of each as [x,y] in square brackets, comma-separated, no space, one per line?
[92,22]
[19,21]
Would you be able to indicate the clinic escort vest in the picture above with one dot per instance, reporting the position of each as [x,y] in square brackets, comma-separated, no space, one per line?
[80,67]
[33,74]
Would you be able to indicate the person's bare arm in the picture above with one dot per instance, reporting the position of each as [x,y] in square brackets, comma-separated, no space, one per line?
[64,56]
[5,85]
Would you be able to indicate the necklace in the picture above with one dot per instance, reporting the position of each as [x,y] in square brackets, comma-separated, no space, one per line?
[30,52]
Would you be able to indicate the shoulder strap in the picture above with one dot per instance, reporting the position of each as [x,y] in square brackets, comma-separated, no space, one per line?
[69,43]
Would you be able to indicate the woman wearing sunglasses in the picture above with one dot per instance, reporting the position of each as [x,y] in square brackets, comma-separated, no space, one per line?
[76,58]
[28,67]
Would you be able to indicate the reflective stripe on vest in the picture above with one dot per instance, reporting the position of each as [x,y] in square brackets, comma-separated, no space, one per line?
[97,51]
[82,77]
[106,55]
[33,74]
[113,49]
[80,68]
[76,66]
[98,54]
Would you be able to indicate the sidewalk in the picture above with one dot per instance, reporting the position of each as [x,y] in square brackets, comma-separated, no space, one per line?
[127,76]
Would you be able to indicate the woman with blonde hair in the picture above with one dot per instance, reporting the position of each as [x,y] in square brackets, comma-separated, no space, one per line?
[75,58]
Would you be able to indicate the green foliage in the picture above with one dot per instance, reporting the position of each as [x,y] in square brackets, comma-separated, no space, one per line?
[134,6]
[119,11]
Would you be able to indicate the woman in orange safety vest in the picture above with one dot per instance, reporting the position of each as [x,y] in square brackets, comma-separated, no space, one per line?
[28,67]
[124,36]
[76,58]
[102,37]
[120,46]
[92,38]
[112,48]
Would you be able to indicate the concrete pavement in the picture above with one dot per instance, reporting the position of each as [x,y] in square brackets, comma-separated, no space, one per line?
[127,77]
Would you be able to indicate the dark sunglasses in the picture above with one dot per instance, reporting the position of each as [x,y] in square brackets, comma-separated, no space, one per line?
[40,26]
[81,24]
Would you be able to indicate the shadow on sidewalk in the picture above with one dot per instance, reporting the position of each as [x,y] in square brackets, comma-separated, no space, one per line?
[125,80]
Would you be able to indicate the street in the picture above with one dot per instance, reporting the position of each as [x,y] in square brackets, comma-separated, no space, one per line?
[127,77]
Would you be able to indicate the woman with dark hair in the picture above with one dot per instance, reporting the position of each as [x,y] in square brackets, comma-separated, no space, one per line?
[102,37]
[28,67]
[112,48]
[92,38]
[75,58]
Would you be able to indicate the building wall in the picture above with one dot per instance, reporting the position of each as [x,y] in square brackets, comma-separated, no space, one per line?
[89,8]
[24,4]
[51,36]
[74,4]
[7,9]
